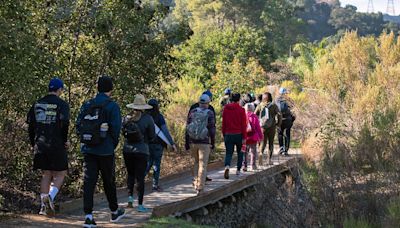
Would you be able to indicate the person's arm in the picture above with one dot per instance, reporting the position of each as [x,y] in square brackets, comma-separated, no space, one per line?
[64,118]
[211,128]
[151,132]
[257,111]
[223,128]
[244,123]
[164,129]
[115,123]
[79,119]
[187,139]
[31,121]
[279,116]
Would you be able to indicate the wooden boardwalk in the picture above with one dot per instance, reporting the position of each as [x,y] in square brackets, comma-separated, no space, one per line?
[177,197]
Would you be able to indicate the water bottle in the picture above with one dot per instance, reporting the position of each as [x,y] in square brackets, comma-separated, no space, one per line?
[103,130]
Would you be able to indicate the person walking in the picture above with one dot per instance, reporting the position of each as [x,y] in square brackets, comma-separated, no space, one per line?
[156,146]
[48,121]
[210,107]
[200,139]
[287,121]
[270,117]
[226,99]
[138,130]
[98,125]
[234,130]
[254,136]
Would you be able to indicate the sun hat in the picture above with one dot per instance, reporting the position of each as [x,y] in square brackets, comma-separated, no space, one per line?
[139,103]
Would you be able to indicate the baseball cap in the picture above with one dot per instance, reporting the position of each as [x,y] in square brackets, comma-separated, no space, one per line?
[204,99]
[55,84]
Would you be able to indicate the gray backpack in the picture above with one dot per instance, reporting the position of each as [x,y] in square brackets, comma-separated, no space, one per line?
[197,128]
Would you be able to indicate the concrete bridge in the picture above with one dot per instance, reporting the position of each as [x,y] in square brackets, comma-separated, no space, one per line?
[179,199]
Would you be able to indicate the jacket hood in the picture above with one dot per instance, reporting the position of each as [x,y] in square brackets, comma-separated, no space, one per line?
[232,106]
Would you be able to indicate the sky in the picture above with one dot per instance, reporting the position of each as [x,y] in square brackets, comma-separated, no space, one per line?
[379,5]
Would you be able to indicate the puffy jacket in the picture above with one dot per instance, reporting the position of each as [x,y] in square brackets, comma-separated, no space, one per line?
[234,120]
[113,114]
[255,135]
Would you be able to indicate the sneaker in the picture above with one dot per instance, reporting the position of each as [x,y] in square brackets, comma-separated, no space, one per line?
[285,154]
[48,202]
[43,210]
[199,192]
[89,223]
[245,169]
[142,209]
[237,172]
[117,216]
[254,168]
[208,179]
[157,189]
[226,173]
[281,151]
[130,201]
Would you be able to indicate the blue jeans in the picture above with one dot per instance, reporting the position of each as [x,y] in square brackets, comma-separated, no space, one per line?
[230,142]
[156,153]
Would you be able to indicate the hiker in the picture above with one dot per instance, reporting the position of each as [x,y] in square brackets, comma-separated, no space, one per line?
[270,118]
[246,98]
[138,130]
[200,139]
[254,135]
[234,130]
[48,121]
[226,99]
[210,107]
[156,146]
[257,100]
[287,121]
[98,125]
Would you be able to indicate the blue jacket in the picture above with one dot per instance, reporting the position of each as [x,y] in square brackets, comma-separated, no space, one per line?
[113,114]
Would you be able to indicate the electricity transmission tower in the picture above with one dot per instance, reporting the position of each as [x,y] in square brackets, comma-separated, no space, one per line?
[390,7]
[370,7]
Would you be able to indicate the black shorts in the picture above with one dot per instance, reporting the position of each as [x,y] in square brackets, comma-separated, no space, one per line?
[56,160]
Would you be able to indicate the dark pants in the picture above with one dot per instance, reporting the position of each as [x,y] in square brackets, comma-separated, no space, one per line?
[284,136]
[269,136]
[156,153]
[136,164]
[230,142]
[93,164]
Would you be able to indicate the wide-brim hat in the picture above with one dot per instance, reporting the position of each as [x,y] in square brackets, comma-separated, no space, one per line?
[139,103]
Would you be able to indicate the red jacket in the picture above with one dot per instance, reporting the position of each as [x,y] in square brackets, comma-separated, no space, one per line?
[234,120]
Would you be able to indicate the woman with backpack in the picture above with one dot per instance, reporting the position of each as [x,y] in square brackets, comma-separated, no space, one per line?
[270,118]
[138,130]
[254,136]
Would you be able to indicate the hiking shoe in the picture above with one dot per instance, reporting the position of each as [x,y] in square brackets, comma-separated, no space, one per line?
[226,173]
[130,201]
[199,192]
[237,172]
[48,202]
[89,223]
[157,189]
[245,169]
[142,209]
[117,216]
[43,210]
[208,179]
[285,154]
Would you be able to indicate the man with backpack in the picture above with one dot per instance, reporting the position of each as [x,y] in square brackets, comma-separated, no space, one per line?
[270,118]
[287,121]
[200,139]
[98,125]
[48,121]
[234,130]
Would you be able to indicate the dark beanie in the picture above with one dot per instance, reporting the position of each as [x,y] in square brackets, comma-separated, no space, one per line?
[104,84]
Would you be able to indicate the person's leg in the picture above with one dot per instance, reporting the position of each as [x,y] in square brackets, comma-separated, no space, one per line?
[238,143]
[263,145]
[246,158]
[204,152]
[271,137]
[107,169]
[130,169]
[287,139]
[58,180]
[150,162]
[45,182]
[252,155]
[229,147]
[158,153]
[140,163]
[195,154]
[280,139]
[90,169]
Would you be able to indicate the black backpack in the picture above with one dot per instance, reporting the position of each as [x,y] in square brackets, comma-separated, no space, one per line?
[48,122]
[89,128]
[132,132]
